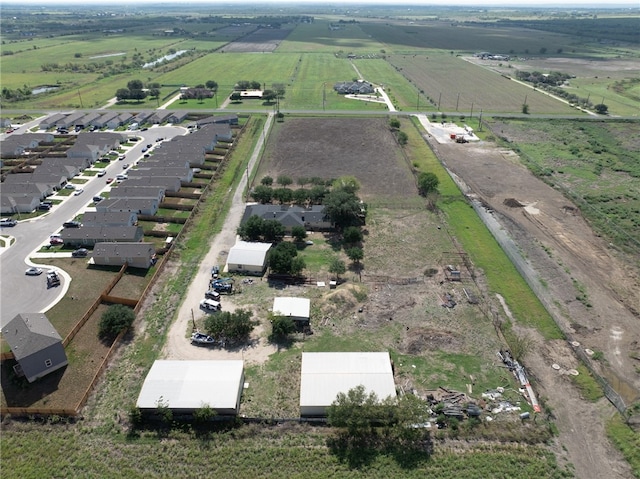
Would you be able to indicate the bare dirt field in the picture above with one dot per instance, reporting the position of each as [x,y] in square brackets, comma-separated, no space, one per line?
[568,256]
[260,41]
[317,147]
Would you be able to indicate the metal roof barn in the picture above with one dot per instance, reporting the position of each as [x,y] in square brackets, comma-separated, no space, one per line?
[324,375]
[184,386]
[247,257]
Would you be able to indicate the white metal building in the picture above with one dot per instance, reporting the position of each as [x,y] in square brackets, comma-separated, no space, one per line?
[184,386]
[297,309]
[248,258]
[324,375]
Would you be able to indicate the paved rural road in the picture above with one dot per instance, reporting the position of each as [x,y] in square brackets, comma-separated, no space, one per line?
[22,293]
[177,346]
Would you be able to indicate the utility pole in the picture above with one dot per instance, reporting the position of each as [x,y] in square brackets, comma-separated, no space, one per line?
[79,96]
[324,95]
[457,101]
[439,98]
[480,121]
[418,102]
[471,116]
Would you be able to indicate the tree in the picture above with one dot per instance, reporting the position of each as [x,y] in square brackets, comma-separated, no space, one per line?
[235,96]
[427,183]
[267,181]
[403,138]
[262,194]
[301,196]
[154,93]
[350,184]
[135,85]
[342,208]
[394,123]
[283,195]
[354,411]
[115,319]
[352,235]
[269,95]
[525,109]
[122,94]
[281,327]
[272,230]
[317,194]
[281,257]
[299,233]
[601,109]
[252,229]
[212,85]
[337,267]
[284,180]
[297,266]
[234,326]
[355,254]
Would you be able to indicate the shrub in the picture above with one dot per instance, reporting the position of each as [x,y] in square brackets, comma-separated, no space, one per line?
[281,327]
[115,319]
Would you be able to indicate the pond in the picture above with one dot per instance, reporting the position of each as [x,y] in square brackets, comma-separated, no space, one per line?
[171,56]
[44,89]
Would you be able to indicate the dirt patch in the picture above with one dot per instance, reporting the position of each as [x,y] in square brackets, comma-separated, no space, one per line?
[426,339]
[360,147]
[260,41]
[569,258]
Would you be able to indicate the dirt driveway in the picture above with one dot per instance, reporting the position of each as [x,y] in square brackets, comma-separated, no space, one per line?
[569,258]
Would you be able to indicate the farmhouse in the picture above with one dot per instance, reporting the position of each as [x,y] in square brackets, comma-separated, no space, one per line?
[359,87]
[324,375]
[312,218]
[185,386]
[295,308]
[35,344]
[248,258]
[136,255]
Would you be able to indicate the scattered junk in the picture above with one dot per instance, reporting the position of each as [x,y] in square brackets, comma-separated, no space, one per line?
[471,298]
[53,279]
[448,301]
[518,370]
[452,273]
[524,415]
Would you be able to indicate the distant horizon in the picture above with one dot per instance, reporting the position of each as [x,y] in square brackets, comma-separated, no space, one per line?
[592,4]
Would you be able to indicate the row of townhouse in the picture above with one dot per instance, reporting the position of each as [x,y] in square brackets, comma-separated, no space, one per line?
[110,119]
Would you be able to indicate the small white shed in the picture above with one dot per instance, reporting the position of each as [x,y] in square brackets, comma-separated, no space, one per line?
[184,386]
[297,309]
[324,375]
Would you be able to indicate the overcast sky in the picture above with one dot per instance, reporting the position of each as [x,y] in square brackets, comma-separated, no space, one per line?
[343,4]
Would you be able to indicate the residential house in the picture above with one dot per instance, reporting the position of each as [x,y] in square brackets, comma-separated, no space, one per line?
[136,255]
[312,218]
[36,189]
[123,191]
[170,183]
[51,121]
[36,345]
[178,116]
[109,218]
[90,235]
[18,203]
[183,174]
[140,206]
[359,87]
[229,119]
[105,118]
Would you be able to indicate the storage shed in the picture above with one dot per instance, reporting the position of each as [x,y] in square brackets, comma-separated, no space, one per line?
[184,386]
[248,258]
[324,375]
[295,308]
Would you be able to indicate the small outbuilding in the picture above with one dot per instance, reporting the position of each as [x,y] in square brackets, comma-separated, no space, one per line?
[248,258]
[324,375]
[35,344]
[185,386]
[297,309]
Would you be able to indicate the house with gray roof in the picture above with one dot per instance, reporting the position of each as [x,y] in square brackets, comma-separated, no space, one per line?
[90,235]
[178,116]
[109,218]
[105,118]
[35,344]
[140,206]
[51,121]
[229,119]
[18,202]
[159,116]
[121,119]
[183,174]
[123,191]
[359,87]
[170,183]
[312,218]
[136,255]
[37,189]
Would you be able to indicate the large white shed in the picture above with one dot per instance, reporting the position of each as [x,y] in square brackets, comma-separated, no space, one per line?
[248,258]
[184,386]
[324,375]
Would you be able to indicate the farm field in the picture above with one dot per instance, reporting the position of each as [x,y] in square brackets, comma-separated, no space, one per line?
[452,84]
